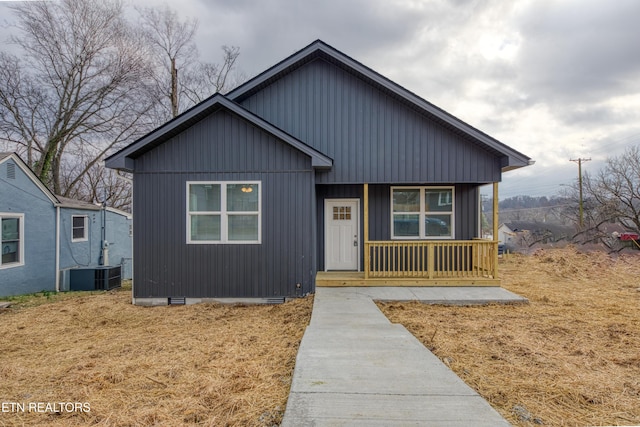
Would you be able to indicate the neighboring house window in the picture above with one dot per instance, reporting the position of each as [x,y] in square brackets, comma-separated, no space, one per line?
[223,212]
[12,240]
[79,228]
[422,212]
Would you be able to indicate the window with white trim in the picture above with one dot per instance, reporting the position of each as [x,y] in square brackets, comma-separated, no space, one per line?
[223,212]
[422,212]
[79,228]
[12,240]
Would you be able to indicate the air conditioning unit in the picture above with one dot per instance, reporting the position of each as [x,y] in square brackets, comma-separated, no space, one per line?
[95,278]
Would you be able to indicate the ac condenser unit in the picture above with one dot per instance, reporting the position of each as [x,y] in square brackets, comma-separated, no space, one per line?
[95,278]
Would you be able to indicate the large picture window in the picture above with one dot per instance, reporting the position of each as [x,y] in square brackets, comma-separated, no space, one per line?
[12,240]
[223,212]
[422,212]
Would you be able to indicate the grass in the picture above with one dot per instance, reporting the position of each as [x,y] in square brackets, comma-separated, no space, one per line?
[569,358]
[204,364]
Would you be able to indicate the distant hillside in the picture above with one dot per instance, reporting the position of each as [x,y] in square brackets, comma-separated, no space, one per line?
[527,208]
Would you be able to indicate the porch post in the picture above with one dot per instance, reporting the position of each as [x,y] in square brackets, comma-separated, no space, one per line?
[495,229]
[366,230]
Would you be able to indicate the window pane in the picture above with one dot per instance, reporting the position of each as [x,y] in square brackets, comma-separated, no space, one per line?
[406,200]
[438,225]
[438,200]
[406,225]
[342,213]
[10,229]
[10,252]
[205,227]
[78,221]
[243,227]
[242,197]
[10,240]
[204,197]
[78,231]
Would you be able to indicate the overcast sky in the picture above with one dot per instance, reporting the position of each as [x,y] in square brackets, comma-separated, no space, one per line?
[554,79]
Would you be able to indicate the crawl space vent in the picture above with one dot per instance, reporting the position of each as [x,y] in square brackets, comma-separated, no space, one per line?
[177,301]
[275,300]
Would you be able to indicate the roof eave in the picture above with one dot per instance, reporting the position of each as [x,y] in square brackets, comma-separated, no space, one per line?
[32,176]
[303,55]
[125,158]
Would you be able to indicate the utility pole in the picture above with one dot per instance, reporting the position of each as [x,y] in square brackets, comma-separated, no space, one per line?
[579,161]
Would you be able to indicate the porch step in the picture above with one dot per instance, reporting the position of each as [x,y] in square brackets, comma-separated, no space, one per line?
[354,278]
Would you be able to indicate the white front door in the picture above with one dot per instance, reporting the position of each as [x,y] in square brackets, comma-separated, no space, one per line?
[342,236]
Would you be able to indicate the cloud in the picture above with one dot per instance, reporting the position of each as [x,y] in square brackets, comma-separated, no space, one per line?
[579,51]
[554,79]
[268,31]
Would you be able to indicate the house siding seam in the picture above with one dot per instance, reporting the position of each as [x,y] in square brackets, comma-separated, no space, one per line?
[372,136]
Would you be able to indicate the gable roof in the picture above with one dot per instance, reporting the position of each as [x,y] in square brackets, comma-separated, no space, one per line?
[320,50]
[32,176]
[123,159]
[61,201]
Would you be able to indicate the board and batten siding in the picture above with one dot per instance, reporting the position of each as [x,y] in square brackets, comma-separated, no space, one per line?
[224,147]
[372,136]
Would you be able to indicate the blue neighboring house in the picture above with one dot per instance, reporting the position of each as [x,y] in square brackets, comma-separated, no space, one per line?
[44,236]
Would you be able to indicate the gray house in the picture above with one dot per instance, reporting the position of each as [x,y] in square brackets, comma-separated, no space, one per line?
[46,239]
[317,172]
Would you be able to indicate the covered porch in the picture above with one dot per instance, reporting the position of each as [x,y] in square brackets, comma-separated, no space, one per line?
[421,262]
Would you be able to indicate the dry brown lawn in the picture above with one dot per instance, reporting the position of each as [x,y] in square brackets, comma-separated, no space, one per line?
[203,364]
[569,358]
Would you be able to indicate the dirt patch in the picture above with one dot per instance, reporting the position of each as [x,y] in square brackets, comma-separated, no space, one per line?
[570,357]
[201,364]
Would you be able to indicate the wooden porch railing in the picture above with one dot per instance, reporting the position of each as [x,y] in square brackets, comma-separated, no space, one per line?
[432,259]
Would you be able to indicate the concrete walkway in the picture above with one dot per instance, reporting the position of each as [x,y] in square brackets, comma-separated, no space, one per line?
[354,367]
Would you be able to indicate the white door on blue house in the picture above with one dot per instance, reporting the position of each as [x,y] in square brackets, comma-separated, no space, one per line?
[342,234]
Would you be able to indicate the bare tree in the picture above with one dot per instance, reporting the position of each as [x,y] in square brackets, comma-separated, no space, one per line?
[206,79]
[79,86]
[172,46]
[180,79]
[611,199]
[86,82]
[613,194]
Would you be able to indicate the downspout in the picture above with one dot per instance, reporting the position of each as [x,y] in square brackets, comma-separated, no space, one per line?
[104,245]
[57,248]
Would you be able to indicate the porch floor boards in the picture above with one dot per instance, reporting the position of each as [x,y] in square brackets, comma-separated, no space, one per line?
[356,278]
